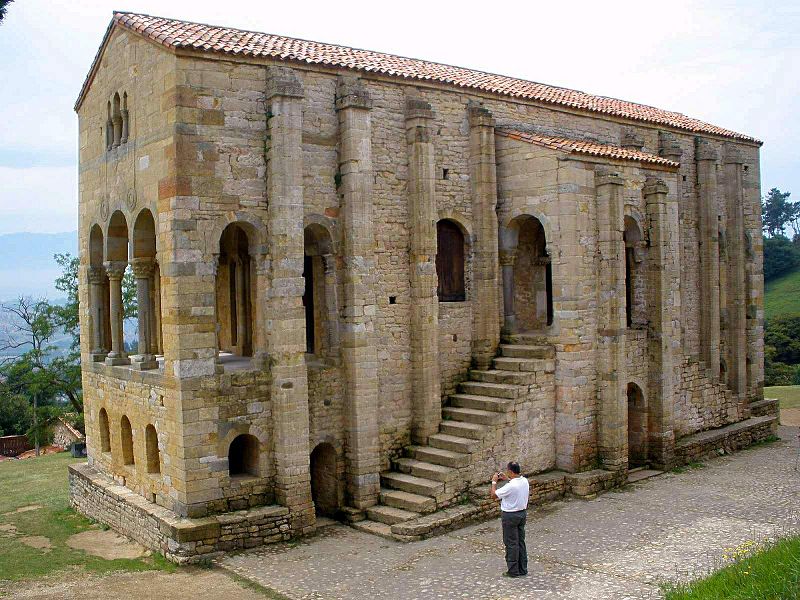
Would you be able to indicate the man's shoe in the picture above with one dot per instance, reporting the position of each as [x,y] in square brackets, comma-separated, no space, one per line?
[507,574]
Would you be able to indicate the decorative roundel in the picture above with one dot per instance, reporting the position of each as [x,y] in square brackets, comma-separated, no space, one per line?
[104,209]
[131,200]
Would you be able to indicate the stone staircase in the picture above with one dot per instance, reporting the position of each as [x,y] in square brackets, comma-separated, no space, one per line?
[430,477]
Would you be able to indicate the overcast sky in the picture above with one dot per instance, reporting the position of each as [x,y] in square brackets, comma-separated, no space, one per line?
[734,64]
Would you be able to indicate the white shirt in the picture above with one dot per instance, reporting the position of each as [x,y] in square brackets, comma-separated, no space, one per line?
[514,495]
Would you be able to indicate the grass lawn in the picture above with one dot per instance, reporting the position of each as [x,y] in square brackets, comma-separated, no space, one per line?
[773,573]
[787,395]
[782,296]
[43,482]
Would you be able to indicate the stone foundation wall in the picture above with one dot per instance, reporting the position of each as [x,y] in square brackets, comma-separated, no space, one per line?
[701,403]
[180,540]
[716,442]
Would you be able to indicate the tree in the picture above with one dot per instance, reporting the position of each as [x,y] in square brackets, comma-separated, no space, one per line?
[4,8]
[30,327]
[778,212]
[780,256]
[67,313]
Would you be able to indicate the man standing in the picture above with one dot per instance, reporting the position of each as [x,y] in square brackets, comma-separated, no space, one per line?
[513,498]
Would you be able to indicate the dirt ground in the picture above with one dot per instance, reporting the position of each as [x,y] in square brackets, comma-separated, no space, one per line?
[186,584]
[790,417]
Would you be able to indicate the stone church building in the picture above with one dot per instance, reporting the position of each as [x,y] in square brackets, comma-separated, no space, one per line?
[364,282]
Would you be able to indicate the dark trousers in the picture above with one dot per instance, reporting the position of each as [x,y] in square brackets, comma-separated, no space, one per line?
[514,540]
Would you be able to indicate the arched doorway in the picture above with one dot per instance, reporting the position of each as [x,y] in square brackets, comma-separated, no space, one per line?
[527,276]
[450,262]
[324,480]
[637,426]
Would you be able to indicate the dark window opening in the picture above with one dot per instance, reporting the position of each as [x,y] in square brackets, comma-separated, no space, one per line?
[243,456]
[308,302]
[450,262]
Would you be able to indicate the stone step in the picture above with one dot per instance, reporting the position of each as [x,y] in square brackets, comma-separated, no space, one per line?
[472,415]
[410,483]
[493,390]
[374,528]
[480,403]
[390,515]
[474,431]
[407,501]
[420,468]
[527,351]
[439,456]
[526,339]
[508,377]
[453,443]
[505,363]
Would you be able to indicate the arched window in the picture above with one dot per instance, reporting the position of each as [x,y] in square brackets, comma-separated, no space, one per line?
[144,270]
[116,120]
[243,456]
[105,437]
[319,297]
[450,262]
[151,448]
[634,282]
[234,292]
[99,297]
[126,436]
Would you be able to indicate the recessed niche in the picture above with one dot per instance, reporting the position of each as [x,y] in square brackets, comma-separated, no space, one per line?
[392,299]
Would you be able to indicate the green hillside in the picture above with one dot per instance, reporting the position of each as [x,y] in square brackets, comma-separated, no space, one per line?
[782,296]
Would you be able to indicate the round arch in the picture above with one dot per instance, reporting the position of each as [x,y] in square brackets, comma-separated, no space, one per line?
[117,238]
[253,226]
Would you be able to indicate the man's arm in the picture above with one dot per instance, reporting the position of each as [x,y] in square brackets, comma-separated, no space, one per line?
[493,493]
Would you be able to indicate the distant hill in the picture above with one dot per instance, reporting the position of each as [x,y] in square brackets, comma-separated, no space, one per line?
[26,262]
[782,296]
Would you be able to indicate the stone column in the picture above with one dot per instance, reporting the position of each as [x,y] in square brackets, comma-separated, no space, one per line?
[97,276]
[483,174]
[737,282]
[143,273]
[115,271]
[426,403]
[359,354]
[664,319]
[507,259]
[286,324]
[259,341]
[612,439]
[331,304]
[155,321]
[708,212]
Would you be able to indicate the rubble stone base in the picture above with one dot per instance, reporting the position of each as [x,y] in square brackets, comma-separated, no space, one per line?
[180,539]
[725,440]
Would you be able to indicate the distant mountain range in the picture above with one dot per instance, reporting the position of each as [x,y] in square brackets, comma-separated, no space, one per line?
[27,266]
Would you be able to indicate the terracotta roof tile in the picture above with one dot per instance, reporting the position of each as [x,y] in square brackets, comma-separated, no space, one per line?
[177,34]
[587,147]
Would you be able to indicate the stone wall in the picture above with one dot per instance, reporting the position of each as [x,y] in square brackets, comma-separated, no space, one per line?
[179,540]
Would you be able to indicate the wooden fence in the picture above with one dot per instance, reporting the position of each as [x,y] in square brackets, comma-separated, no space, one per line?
[12,445]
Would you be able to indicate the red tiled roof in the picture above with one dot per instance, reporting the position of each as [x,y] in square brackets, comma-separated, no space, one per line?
[586,147]
[176,34]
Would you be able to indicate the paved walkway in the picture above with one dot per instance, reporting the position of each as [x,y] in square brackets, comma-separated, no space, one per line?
[617,546]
